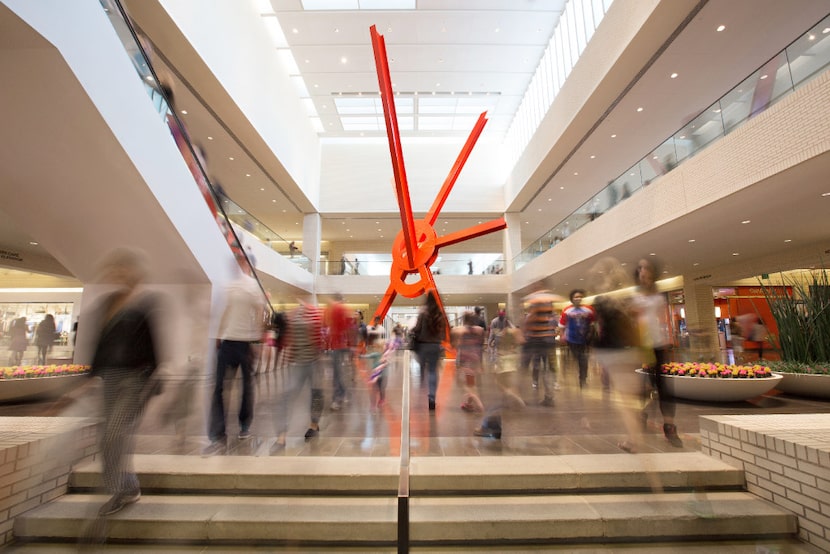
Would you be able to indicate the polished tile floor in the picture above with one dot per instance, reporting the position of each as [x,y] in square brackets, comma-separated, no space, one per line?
[582,421]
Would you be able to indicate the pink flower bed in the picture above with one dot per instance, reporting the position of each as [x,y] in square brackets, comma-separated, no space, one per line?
[37,371]
[716,370]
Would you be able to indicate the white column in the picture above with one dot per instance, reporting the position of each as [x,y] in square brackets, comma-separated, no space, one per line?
[312,231]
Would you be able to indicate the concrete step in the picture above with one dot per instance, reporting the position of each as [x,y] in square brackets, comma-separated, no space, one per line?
[758,546]
[371,521]
[458,503]
[429,475]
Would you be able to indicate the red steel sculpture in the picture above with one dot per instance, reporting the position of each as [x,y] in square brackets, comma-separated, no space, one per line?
[416,247]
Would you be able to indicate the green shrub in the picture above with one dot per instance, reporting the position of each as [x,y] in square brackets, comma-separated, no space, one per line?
[799,367]
[803,318]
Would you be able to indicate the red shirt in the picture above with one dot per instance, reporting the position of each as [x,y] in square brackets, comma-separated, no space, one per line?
[338,320]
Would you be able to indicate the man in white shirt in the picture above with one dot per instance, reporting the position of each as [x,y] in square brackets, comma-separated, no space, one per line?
[240,327]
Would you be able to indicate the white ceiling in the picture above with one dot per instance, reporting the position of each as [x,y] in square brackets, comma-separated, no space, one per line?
[455,43]
[452,58]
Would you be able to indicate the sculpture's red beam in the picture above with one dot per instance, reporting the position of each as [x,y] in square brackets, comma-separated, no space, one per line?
[449,182]
[472,232]
[391,117]
[416,247]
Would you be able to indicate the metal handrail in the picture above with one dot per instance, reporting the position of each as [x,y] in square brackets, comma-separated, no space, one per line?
[403,476]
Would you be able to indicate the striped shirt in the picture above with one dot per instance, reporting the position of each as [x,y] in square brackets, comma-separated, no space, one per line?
[540,325]
[304,341]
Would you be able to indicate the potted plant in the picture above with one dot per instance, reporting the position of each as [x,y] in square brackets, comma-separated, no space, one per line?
[803,340]
[20,383]
[716,382]
[803,379]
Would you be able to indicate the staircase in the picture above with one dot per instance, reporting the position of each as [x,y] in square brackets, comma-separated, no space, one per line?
[467,503]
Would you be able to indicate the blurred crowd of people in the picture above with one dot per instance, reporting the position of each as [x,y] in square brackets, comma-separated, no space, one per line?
[322,348]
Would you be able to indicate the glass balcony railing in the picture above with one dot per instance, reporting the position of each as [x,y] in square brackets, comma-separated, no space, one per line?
[456,264]
[783,73]
[264,234]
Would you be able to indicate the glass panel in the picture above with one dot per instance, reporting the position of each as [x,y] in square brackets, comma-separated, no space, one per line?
[599,12]
[700,131]
[810,53]
[579,26]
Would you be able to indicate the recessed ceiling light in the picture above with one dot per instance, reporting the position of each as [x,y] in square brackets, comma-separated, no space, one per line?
[673,75]
[745,221]
[561,188]
[696,263]
[247,175]
[33,243]
[184,112]
[764,76]
[576,173]
[308,61]
[736,253]
[613,136]
[721,28]
[540,209]
[295,30]
[691,240]
[639,109]
[210,138]
[274,201]
[652,254]
[682,137]
[550,199]
[811,37]
[230,158]
[825,194]
[788,240]
[825,30]
[336,30]
[344,60]
[262,189]
[592,156]
[496,30]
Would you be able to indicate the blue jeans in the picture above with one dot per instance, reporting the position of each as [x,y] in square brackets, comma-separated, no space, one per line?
[429,353]
[338,357]
[580,352]
[232,354]
[297,374]
[538,357]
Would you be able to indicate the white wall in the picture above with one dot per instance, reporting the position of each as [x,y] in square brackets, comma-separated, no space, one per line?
[347,167]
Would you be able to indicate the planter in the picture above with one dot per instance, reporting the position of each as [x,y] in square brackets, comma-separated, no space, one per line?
[38,388]
[805,384]
[717,390]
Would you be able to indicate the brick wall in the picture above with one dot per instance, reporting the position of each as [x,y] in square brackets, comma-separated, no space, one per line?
[36,457]
[786,459]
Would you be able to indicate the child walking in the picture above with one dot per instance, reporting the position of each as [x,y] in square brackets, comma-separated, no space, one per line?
[379,363]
